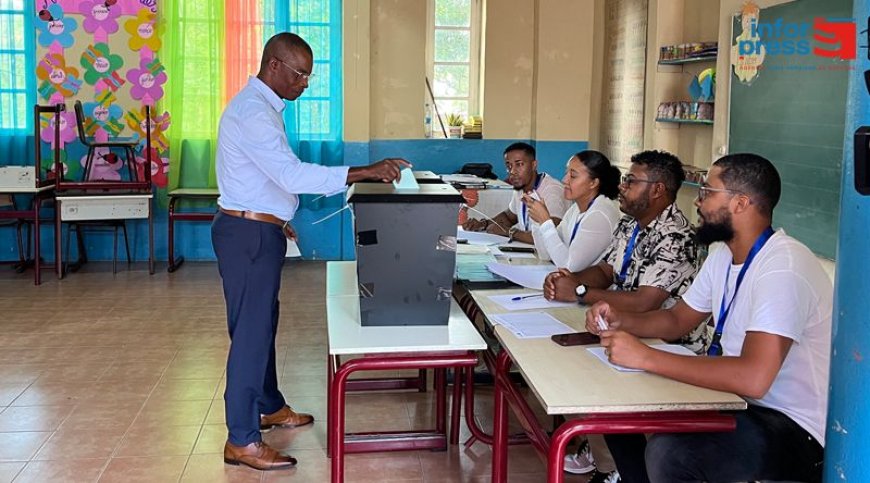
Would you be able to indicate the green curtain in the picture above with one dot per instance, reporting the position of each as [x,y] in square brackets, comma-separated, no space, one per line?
[193,53]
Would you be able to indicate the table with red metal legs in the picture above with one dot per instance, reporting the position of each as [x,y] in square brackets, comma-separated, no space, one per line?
[41,195]
[572,381]
[453,345]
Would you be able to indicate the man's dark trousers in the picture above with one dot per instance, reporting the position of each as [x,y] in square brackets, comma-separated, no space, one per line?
[250,257]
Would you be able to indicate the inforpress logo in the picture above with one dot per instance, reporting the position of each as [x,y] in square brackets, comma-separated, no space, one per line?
[835,38]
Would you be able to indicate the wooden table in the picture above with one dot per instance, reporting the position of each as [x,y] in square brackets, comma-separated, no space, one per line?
[454,345]
[572,381]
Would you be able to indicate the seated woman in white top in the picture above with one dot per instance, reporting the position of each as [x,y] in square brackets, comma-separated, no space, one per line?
[586,230]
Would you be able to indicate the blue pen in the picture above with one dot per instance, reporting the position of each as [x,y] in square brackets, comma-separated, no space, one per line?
[526,297]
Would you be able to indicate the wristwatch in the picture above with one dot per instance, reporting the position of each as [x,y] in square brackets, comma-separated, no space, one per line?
[581,292]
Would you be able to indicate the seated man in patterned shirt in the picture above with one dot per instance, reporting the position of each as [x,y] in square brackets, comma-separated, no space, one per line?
[650,263]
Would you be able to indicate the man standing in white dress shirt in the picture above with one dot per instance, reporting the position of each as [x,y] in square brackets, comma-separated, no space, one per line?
[260,178]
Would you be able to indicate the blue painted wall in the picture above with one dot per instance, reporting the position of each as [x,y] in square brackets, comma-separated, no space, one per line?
[333,238]
[847,453]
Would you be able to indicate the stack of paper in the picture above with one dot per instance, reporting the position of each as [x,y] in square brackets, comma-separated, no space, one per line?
[529,276]
[528,325]
[672,348]
[527,301]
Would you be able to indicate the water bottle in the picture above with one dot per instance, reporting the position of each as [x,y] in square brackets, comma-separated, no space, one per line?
[427,121]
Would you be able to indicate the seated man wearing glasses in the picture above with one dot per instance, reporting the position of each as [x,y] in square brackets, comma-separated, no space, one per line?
[650,263]
[772,304]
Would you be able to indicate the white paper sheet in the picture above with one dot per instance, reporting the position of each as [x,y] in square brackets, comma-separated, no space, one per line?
[528,325]
[529,276]
[466,249]
[407,181]
[292,250]
[672,348]
[479,237]
[497,252]
[527,302]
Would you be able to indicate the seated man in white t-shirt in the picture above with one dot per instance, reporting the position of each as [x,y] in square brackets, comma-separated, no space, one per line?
[771,301]
[522,167]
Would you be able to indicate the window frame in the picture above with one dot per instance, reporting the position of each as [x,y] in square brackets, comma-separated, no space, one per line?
[29,87]
[474,62]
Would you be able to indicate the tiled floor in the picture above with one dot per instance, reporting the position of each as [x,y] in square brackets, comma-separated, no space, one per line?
[120,378]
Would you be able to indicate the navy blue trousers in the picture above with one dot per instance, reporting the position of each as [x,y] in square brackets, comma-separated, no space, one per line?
[250,256]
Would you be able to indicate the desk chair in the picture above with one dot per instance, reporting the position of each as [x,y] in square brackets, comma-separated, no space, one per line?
[127,145]
[113,225]
[8,202]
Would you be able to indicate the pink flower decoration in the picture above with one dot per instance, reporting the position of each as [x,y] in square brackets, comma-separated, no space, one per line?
[98,15]
[159,168]
[67,128]
[148,79]
[105,166]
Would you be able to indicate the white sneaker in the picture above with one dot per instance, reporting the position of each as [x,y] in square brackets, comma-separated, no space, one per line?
[580,462]
[612,477]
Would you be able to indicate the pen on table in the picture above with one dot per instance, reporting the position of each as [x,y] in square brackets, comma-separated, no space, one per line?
[514,299]
[602,324]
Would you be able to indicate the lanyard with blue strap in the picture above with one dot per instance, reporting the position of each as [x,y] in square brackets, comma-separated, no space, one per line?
[716,345]
[525,209]
[577,224]
[626,257]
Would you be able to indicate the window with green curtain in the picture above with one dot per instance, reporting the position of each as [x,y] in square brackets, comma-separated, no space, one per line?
[17,85]
[194,55]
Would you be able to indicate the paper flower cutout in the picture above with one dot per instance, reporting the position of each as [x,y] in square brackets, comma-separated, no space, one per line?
[54,27]
[159,168]
[67,127]
[99,14]
[57,77]
[105,117]
[106,165]
[144,31]
[159,125]
[101,64]
[147,80]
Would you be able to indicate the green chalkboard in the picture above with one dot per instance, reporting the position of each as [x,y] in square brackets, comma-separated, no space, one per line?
[794,114]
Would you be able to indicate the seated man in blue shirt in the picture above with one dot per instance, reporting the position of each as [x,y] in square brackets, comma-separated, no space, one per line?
[259,178]
[772,304]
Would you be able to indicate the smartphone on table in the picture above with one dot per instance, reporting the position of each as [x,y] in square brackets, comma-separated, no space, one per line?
[576,338]
[510,249]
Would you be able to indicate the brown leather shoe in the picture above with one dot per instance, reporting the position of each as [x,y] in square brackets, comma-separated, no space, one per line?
[286,418]
[259,456]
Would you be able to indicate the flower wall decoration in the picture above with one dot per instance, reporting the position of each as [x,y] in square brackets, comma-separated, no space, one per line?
[147,80]
[53,27]
[57,77]
[159,125]
[106,165]
[159,167]
[99,14]
[67,127]
[101,64]
[105,117]
[144,31]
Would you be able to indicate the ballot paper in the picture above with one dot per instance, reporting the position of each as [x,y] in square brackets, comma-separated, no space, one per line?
[672,348]
[528,301]
[292,250]
[529,325]
[479,237]
[407,181]
[529,276]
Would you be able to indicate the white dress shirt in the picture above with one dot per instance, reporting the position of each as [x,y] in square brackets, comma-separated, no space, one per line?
[581,238]
[256,169]
[550,191]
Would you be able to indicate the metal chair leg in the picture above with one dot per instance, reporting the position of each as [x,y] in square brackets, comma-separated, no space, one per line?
[88,163]
[126,242]
[115,251]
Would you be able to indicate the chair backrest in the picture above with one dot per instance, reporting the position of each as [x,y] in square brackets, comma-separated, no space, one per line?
[80,123]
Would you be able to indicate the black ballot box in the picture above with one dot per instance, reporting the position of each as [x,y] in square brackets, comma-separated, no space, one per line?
[405,252]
